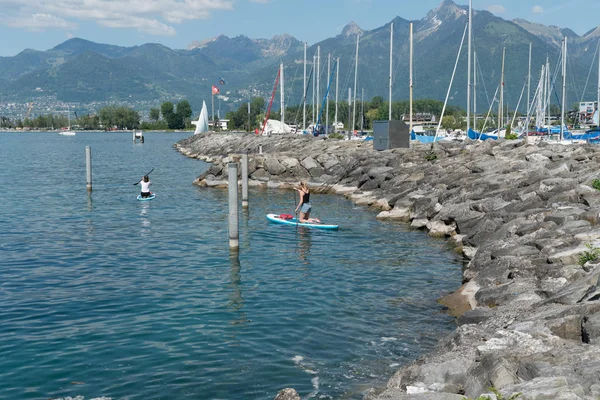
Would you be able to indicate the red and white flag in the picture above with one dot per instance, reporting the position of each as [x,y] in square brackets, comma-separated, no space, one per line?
[215,90]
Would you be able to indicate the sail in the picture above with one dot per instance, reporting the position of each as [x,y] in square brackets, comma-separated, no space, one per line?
[276,127]
[202,123]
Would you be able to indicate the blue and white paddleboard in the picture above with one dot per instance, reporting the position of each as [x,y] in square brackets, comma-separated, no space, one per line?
[152,196]
[294,222]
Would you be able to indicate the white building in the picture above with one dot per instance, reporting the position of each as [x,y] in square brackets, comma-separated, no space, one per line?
[221,124]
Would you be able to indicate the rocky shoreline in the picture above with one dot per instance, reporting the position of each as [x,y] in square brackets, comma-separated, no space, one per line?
[524,216]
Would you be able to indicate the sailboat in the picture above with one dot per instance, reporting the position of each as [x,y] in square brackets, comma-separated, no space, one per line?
[416,132]
[272,126]
[202,123]
[68,131]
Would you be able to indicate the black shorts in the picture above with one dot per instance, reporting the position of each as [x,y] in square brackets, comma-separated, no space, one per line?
[146,194]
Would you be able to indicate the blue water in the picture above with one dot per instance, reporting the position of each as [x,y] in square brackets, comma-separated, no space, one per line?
[103,295]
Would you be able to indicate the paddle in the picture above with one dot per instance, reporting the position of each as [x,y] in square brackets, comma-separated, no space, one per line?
[144,175]
[295,210]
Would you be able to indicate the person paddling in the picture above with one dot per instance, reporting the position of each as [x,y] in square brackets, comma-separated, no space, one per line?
[304,205]
[145,182]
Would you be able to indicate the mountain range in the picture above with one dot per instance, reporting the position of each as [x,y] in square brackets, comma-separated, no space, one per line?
[80,71]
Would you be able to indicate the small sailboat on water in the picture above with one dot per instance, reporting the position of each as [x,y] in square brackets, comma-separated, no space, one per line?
[68,131]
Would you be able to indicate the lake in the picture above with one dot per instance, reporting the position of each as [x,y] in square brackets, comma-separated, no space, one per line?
[103,295]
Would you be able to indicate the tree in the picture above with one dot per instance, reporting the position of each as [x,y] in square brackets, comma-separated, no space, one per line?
[167,110]
[121,117]
[376,102]
[107,116]
[154,114]
[184,112]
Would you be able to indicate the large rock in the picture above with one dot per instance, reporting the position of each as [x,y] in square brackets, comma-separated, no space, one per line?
[287,394]
[273,166]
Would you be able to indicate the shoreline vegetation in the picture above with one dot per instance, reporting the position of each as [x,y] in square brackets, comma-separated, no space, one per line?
[526,219]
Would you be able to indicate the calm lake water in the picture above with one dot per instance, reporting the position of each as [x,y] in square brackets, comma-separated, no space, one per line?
[103,295]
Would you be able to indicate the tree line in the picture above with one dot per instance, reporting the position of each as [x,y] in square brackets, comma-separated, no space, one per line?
[168,116]
[366,112]
[177,116]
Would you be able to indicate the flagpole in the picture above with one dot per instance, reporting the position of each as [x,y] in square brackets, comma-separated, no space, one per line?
[212,109]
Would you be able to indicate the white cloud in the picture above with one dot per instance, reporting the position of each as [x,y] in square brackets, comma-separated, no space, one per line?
[151,27]
[496,9]
[260,1]
[537,9]
[155,17]
[40,22]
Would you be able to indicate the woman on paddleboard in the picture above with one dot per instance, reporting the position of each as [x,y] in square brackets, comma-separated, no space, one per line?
[145,186]
[304,204]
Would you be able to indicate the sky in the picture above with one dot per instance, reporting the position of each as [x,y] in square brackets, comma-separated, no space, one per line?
[43,24]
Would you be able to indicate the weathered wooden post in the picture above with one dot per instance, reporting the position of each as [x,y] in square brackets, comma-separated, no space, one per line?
[245,180]
[88,167]
[234,238]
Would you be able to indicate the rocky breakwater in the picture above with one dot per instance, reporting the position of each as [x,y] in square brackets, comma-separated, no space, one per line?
[525,218]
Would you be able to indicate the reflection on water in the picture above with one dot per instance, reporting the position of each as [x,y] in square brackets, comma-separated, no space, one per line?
[144,209]
[90,205]
[304,243]
[236,301]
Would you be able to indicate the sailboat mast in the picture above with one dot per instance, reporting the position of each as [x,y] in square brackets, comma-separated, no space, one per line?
[355,82]
[564,88]
[349,112]
[548,98]
[598,104]
[337,78]
[318,96]
[469,67]
[327,96]
[410,78]
[462,41]
[501,102]
[475,91]
[391,65]
[313,89]
[362,108]
[529,80]
[281,96]
[304,100]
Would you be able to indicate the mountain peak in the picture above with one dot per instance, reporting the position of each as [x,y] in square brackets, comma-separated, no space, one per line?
[592,33]
[550,34]
[279,45]
[199,44]
[352,29]
[447,10]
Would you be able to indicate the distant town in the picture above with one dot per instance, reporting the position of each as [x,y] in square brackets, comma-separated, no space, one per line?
[50,105]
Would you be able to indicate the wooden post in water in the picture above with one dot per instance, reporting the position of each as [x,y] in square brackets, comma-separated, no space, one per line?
[88,167]
[234,239]
[245,180]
